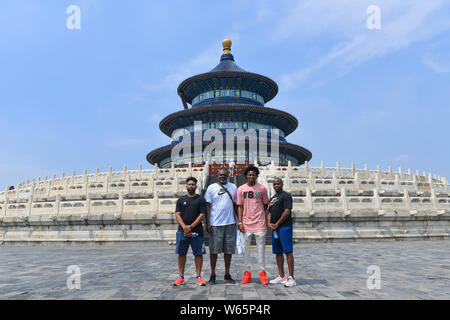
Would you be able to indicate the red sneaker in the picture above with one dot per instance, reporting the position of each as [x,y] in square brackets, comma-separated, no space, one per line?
[200,281]
[179,281]
[263,277]
[247,277]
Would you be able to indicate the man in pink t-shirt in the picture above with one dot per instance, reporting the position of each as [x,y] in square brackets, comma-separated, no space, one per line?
[252,203]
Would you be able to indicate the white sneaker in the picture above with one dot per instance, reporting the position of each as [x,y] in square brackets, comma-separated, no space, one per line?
[278,280]
[290,282]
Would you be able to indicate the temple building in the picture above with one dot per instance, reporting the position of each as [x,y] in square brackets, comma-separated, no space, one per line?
[229,97]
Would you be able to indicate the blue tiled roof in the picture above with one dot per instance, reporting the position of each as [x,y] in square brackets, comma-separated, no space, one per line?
[227,64]
[228,75]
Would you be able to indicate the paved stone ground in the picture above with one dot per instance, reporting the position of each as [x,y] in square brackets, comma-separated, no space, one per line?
[409,270]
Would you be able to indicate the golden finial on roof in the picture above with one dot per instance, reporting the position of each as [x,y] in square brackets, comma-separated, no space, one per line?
[226,46]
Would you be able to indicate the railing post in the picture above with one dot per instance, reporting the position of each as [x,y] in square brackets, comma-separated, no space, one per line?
[173,172]
[49,187]
[88,204]
[5,203]
[334,182]
[30,199]
[108,180]
[199,181]
[66,186]
[155,171]
[415,182]
[378,178]
[287,180]
[266,184]
[309,203]
[272,166]
[434,200]
[140,171]
[306,169]
[120,204]
[85,182]
[376,198]
[357,180]
[407,199]
[344,202]
[156,200]
[311,181]
[57,204]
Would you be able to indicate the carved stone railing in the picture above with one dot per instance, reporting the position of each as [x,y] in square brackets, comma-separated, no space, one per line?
[139,204]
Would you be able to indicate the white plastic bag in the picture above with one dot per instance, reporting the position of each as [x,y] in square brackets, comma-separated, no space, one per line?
[239,243]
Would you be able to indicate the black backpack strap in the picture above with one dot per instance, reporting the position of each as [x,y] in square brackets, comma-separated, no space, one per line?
[228,192]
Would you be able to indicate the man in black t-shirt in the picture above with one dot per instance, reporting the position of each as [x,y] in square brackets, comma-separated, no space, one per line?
[280,223]
[189,212]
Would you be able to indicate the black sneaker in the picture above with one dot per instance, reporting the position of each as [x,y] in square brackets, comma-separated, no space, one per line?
[212,279]
[229,279]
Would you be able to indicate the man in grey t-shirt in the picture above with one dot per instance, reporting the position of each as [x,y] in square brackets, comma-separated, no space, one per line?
[221,223]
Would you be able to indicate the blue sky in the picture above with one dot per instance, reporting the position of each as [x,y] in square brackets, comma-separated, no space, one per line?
[93,98]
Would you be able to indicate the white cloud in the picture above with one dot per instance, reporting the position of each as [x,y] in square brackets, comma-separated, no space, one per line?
[201,63]
[154,118]
[126,143]
[15,169]
[403,24]
[311,18]
[438,65]
[401,157]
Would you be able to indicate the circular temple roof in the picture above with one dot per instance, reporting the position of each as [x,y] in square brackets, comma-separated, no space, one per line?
[184,118]
[300,153]
[227,75]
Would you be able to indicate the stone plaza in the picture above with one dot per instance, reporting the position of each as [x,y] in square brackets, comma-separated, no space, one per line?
[408,270]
